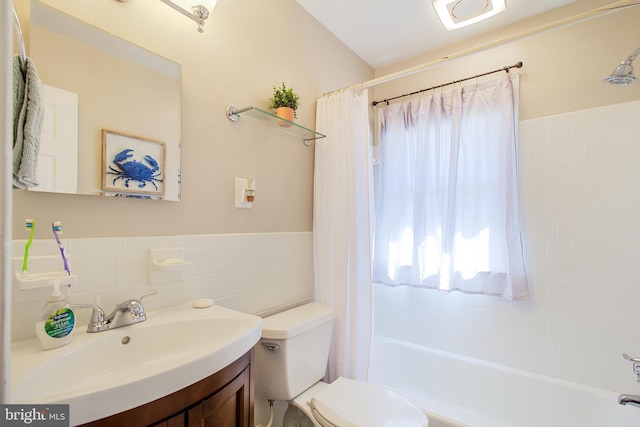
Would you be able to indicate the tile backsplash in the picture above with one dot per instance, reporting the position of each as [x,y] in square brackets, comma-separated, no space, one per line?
[579,177]
[254,273]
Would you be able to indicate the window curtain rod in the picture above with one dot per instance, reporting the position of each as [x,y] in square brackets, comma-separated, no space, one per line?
[505,69]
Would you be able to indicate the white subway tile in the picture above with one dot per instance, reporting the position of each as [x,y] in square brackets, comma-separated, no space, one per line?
[131,268]
[201,258]
[598,272]
[570,151]
[96,246]
[94,271]
[107,299]
[546,153]
[146,243]
[207,286]
[545,230]
[558,250]
[559,131]
[559,290]
[597,149]
[572,191]
[256,271]
[570,271]
[558,172]
[193,241]
[559,211]
[545,269]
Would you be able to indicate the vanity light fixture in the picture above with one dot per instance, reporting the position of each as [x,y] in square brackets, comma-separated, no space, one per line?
[197,10]
[456,14]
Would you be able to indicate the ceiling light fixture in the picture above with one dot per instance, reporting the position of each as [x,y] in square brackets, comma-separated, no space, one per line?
[454,14]
[197,10]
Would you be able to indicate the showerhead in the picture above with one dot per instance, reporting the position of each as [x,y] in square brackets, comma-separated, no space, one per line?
[623,74]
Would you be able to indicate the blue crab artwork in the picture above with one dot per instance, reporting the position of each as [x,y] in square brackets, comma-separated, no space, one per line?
[130,170]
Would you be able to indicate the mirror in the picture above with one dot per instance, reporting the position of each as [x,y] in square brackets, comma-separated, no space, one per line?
[112,122]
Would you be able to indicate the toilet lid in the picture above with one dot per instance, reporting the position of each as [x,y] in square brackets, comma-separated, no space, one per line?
[350,403]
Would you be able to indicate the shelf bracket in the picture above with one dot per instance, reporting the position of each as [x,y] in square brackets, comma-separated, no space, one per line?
[233,113]
[307,141]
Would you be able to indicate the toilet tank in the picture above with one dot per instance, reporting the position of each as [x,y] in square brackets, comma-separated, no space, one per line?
[293,351]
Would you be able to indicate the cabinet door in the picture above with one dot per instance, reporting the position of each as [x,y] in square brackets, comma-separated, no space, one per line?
[175,421]
[229,407]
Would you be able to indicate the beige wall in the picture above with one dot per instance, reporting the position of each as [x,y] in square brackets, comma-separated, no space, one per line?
[247,47]
[563,67]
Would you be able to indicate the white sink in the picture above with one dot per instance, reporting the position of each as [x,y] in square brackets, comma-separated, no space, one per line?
[104,373]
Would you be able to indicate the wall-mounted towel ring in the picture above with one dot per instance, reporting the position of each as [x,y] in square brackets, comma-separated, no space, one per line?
[19,36]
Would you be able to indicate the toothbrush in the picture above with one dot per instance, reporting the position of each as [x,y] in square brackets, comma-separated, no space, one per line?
[30,225]
[56,226]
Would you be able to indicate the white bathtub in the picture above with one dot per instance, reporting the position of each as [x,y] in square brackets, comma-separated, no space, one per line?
[458,391]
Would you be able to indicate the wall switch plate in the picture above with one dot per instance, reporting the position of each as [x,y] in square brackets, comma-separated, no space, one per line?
[241,199]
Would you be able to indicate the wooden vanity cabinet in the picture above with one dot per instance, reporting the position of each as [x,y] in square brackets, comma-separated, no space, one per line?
[224,399]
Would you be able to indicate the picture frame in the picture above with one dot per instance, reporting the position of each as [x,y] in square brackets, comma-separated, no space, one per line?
[132,166]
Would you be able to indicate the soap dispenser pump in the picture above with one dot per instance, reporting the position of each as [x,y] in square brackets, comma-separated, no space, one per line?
[56,322]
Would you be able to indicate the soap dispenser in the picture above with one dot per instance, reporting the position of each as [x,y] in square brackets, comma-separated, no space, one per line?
[56,321]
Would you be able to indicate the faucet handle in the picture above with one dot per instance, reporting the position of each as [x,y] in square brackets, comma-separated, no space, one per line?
[636,365]
[135,303]
[98,319]
[631,359]
[134,306]
[153,292]
[97,314]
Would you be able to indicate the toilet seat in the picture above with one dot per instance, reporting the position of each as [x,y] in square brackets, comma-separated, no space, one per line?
[350,403]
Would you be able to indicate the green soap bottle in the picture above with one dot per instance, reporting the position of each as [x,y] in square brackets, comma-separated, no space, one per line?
[56,322]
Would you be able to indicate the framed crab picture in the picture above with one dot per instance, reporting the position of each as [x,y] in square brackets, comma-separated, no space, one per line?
[132,165]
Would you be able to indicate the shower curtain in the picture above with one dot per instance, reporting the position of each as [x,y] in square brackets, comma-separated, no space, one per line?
[341,227]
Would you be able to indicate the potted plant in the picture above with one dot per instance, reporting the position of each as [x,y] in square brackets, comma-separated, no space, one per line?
[285,103]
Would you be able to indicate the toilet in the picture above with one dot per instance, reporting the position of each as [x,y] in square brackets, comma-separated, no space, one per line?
[291,359]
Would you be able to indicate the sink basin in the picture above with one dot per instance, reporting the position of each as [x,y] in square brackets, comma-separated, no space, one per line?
[104,373]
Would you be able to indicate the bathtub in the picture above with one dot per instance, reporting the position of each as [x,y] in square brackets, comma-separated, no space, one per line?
[457,391]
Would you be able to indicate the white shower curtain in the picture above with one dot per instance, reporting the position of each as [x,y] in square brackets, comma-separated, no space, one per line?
[341,227]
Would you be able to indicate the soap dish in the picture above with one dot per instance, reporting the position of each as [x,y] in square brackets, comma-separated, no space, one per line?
[170,264]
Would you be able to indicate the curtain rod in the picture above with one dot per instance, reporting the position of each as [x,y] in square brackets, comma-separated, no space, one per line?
[584,16]
[505,68]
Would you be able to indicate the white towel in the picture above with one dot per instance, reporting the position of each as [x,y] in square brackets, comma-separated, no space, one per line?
[28,114]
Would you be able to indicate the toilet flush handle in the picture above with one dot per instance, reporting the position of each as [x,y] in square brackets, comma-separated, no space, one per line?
[271,346]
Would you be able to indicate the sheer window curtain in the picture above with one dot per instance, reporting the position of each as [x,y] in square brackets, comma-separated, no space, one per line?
[342,228]
[446,198]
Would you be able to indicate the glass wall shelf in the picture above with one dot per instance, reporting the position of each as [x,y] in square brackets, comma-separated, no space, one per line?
[287,126]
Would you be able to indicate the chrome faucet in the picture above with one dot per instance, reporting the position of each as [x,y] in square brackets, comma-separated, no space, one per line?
[126,313]
[631,399]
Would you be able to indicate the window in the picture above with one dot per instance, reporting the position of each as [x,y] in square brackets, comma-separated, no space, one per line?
[446,193]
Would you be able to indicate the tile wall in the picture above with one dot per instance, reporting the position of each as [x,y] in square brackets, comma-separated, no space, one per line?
[254,273]
[580,188]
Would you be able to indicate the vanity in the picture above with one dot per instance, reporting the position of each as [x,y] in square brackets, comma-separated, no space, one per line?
[183,366]
[220,400]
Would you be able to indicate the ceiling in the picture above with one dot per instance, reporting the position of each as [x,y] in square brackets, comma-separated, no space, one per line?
[384,32]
